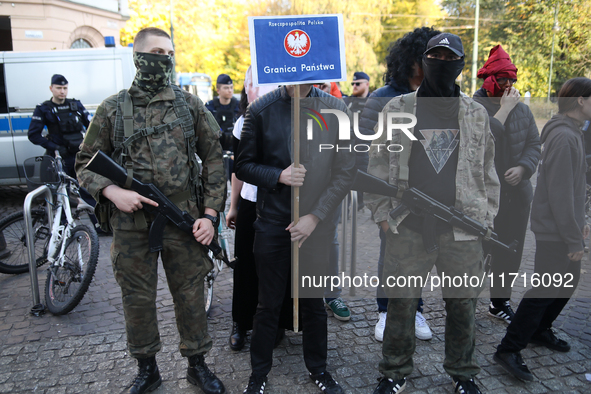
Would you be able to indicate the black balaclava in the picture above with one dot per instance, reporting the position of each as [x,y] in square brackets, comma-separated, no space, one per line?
[440,77]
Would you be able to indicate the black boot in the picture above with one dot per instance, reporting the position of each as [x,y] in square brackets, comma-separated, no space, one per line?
[237,338]
[199,375]
[148,377]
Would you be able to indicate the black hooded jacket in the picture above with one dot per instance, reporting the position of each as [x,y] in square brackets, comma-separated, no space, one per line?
[517,143]
[558,210]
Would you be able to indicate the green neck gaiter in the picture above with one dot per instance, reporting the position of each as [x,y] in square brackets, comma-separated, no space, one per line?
[153,71]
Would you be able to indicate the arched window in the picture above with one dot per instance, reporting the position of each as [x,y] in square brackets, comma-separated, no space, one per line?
[80,43]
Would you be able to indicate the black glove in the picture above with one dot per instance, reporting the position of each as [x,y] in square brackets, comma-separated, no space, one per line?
[63,151]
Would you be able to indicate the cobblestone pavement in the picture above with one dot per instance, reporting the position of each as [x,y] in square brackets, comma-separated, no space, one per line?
[85,351]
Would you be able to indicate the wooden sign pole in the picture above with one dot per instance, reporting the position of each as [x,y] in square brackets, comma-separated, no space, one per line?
[296,209]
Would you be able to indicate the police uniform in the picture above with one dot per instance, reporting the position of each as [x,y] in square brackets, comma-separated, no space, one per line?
[65,124]
[225,115]
[162,159]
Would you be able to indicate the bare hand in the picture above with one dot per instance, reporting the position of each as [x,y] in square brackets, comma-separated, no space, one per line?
[385,226]
[510,98]
[203,231]
[586,231]
[231,218]
[514,175]
[301,231]
[127,201]
[576,256]
[293,176]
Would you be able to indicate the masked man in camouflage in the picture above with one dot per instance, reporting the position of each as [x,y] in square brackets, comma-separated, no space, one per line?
[163,155]
[452,161]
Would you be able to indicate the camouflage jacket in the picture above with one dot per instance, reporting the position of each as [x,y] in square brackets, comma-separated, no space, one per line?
[162,158]
[477,183]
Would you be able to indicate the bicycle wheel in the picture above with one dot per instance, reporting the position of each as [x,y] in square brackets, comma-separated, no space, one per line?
[14,258]
[66,284]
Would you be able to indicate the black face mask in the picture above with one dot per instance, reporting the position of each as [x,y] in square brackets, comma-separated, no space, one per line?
[440,77]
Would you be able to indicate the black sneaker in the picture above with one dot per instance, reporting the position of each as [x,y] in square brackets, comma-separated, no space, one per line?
[504,312]
[465,386]
[256,384]
[326,383]
[548,338]
[390,386]
[514,364]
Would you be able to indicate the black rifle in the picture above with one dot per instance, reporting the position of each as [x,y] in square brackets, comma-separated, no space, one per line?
[165,211]
[429,209]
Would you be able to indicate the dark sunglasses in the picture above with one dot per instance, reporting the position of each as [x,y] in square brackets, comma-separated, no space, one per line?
[502,81]
[356,83]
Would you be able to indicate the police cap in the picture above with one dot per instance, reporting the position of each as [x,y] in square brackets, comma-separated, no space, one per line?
[360,75]
[58,79]
[224,79]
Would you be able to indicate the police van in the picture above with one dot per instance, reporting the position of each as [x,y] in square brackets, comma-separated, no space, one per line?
[92,74]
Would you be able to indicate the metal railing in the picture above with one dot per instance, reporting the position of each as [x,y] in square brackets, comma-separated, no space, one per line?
[344,235]
[38,308]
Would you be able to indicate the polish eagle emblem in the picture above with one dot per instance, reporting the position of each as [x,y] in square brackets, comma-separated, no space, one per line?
[297,43]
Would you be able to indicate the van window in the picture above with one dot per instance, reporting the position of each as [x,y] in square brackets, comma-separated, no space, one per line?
[3,101]
[5,34]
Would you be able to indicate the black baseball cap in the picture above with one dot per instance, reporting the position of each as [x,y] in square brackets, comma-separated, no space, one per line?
[224,79]
[58,79]
[446,40]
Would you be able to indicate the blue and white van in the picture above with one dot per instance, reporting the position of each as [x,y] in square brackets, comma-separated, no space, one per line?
[92,74]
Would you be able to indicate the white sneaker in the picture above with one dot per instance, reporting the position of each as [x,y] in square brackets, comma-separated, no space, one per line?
[381,326]
[422,330]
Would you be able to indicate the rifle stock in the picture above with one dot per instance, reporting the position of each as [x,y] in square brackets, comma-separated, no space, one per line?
[166,210]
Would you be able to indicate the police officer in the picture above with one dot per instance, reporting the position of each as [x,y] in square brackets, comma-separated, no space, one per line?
[171,126]
[65,119]
[225,109]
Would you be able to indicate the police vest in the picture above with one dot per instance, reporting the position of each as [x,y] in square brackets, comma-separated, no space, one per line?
[225,119]
[67,115]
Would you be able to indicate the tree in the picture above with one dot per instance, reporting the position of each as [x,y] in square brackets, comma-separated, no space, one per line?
[525,30]
[219,43]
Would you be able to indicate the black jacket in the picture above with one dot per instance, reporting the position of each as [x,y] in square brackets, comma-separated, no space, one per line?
[517,142]
[558,209]
[44,115]
[375,103]
[265,150]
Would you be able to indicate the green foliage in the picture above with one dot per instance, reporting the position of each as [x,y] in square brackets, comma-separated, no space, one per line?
[211,36]
[525,30]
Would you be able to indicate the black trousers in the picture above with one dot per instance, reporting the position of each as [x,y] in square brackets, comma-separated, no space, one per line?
[246,282]
[272,250]
[540,306]
[245,293]
[510,224]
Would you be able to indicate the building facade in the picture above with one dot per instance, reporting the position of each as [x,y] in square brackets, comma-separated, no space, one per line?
[38,25]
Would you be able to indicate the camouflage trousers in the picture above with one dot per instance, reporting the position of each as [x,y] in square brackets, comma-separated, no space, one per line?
[136,271]
[406,256]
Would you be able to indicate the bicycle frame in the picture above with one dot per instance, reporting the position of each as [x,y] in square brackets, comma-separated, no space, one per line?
[60,232]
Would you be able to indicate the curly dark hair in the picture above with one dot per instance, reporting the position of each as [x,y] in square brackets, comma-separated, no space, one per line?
[404,52]
[243,102]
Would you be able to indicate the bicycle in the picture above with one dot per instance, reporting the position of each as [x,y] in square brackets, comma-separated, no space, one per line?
[71,247]
[224,234]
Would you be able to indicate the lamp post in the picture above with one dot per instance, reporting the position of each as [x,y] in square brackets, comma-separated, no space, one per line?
[172,40]
[555,28]
[475,47]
